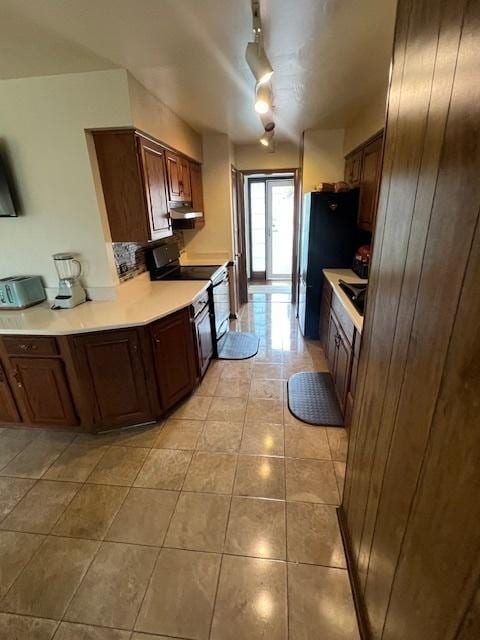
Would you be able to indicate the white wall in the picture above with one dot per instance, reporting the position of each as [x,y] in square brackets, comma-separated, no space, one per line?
[153,117]
[369,120]
[42,132]
[323,159]
[217,235]
[253,156]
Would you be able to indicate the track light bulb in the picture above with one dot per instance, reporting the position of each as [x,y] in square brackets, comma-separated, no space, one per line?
[263,99]
[267,139]
[258,62]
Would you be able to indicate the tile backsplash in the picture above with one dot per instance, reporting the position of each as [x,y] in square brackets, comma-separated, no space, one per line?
[130,256]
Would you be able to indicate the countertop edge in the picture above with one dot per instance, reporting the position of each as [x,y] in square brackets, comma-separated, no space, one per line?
[106,327]
[333,276]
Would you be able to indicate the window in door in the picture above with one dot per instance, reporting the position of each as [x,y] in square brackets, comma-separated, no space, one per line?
[280,199]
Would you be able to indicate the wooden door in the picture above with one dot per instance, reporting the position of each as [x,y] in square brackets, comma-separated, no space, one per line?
[371,167]
[196,186]
[185,180]
[174,354]
[8,408]
[111,365]
[203,330]
[238,210]
[174,176]
[153,170]
[43,391]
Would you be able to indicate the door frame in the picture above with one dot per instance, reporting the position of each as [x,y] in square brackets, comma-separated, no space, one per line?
[269,228]
[240,255]
[296,172]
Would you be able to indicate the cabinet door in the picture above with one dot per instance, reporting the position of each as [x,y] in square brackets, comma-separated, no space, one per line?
[325,316]
[8,408]
[342,368]
[371,166]
[43,391]
[153,169]
[174,176]
[203,329]
[331,351]
[174,354]
[112,370]
[196,186]
[185,181]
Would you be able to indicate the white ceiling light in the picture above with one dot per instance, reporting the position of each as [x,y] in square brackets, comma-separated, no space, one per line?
[267,138]
[258,62]
[263,99]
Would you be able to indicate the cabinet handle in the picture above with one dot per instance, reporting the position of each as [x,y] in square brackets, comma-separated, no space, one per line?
[16,378]
[27,347]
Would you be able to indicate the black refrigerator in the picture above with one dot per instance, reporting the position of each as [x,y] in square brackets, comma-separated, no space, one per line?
[328,239]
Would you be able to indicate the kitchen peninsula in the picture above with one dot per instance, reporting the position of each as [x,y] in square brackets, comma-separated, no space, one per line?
[104,365]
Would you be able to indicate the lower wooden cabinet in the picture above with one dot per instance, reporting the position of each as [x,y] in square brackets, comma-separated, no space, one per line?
[203,333]
[103,380]
[111,367]
[43,391]
[339,354]
[174,357]
[8,408]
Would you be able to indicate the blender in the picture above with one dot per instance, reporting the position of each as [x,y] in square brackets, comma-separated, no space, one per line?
[70,291]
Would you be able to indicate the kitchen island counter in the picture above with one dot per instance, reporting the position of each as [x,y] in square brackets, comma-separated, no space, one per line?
[139,302]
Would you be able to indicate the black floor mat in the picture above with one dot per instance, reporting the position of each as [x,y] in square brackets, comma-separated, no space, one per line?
[236,345]
[312,399]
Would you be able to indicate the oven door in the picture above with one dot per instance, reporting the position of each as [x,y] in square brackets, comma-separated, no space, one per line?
[221,304]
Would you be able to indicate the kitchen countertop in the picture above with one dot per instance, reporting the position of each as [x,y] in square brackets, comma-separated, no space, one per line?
[139,302]
[333,276]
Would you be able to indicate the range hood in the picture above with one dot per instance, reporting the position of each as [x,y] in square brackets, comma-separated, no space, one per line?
[182,212]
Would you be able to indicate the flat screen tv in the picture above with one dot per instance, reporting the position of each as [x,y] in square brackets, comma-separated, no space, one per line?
[7,200]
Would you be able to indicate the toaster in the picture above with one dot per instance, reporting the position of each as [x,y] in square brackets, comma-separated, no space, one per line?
[19,292]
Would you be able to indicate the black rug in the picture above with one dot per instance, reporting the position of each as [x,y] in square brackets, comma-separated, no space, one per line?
[236,345]
[312,399]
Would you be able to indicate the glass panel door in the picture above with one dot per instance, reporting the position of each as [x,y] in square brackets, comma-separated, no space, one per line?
[279,227]
[257,229]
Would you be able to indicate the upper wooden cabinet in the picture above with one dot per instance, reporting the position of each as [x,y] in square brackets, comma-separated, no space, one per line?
[363,169]
[369,183]
[353,168]
[153,171]
[132,172]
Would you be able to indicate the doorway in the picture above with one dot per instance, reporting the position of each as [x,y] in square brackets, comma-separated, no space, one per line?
[270,229]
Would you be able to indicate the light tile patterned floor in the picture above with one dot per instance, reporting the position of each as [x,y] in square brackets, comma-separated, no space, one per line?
[219,523]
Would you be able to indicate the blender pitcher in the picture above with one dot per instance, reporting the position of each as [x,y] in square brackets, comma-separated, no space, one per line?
[70,291]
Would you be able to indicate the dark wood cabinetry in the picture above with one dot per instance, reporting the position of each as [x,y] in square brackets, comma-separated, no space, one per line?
[341,342]
[132,172]
[139,177]
[8,408]
[43,391]
[353,168]
[106,379]
[174,356]
[111,366]
[362,169]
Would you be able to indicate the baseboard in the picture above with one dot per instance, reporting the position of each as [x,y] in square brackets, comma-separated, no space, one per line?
[353,576]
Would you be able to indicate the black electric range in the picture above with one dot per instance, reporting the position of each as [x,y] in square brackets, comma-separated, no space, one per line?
[164,264]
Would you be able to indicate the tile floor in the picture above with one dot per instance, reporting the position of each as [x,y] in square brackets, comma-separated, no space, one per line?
[219,523]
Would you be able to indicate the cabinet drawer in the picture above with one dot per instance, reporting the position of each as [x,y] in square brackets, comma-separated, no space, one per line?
[31,346]
[344,319]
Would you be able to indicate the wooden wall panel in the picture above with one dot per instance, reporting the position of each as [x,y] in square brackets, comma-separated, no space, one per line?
[409,406]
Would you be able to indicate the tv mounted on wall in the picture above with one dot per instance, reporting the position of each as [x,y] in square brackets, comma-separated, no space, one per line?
[7,197]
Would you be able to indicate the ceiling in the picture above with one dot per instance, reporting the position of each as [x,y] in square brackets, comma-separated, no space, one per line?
[328,55]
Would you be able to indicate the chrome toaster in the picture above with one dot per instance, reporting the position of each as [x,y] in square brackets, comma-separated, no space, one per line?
[19,292]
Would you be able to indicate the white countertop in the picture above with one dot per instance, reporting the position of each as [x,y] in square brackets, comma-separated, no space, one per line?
[333,276]
[139,302]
